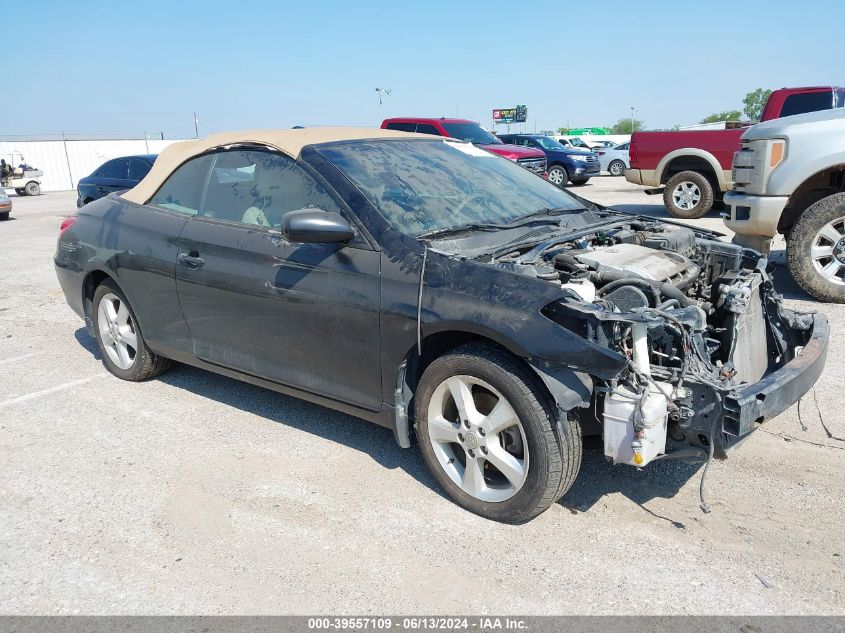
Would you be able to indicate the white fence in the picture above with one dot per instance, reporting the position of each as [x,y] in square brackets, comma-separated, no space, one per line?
[65,162]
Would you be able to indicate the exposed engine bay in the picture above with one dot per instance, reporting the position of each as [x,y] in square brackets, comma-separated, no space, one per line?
[696,317]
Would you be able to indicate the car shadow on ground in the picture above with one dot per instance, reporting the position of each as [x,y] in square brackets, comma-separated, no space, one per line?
[600,477]
[376,441]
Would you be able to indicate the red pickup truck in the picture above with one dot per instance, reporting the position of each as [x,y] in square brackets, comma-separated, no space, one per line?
[471,132]
[692,168]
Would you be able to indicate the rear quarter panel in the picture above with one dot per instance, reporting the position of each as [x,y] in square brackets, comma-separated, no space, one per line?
[651,147]
[136,245]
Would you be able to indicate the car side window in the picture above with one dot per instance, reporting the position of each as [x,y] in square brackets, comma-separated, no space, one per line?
[402,127]
[138,169]
[115,169]
[623,147]
[427,128]
[183,190]
[259,187]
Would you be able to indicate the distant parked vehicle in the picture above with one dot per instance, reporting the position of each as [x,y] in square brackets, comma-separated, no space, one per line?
[471,131]
[24,179]
[5,205]
[118,174]
[600,144]
[572,141]
[564,164]
[692,168]
[615,160]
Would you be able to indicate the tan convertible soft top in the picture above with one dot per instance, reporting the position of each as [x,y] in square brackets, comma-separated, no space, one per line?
[289,142]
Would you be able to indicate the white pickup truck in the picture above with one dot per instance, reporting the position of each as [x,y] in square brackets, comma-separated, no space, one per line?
[789,178]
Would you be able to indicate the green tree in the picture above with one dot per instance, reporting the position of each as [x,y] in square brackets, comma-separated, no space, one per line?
[754,102]
[626,126]
[563,130]
[727,115]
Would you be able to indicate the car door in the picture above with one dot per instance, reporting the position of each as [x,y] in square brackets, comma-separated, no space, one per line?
[113,176]
[303,315]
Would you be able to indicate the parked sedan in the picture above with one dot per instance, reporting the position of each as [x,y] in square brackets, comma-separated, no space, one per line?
[615,160]
[5,205]
[117,174]
[426,285]
[563,164]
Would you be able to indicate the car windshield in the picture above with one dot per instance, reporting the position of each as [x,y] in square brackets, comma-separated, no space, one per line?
[577,142]
[423,187]
[547,142]
[471,133]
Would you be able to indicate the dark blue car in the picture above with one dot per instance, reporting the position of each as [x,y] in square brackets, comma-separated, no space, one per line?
[564,164]
[117,174]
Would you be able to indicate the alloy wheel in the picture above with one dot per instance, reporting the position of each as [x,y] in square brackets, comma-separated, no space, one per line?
[828,251]
[117,331]
[556,177]
[686,195]
[477,438]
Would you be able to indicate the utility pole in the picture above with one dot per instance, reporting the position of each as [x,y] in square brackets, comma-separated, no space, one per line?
[632,119]
[196,125]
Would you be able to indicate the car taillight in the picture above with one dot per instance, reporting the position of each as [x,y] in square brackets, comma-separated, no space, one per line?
[67,223]
[601,153]
[632,154]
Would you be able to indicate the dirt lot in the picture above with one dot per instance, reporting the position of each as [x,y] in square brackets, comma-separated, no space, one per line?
[195,493]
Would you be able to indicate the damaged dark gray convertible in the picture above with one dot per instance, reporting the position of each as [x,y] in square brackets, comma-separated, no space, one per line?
[445,293]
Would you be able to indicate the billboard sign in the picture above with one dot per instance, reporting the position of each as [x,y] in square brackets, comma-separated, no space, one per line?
[519,114]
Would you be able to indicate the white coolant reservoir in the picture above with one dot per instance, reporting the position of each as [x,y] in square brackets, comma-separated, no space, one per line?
[584,288]
[620,412]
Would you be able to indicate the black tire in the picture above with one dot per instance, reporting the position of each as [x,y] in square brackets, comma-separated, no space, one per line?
[553,441]
[800,242]
[581,181]
[562,176]
[4,216]
[616,168]
[32,189]
[705,193]
[146,364]
[20,192]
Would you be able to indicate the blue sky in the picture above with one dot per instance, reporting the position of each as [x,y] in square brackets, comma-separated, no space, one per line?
[129,67]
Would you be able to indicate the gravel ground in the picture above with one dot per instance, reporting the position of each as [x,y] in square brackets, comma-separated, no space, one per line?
[194,493]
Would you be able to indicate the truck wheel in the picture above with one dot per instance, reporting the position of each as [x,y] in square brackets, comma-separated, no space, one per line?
[616,168]
[4,216]
[815,249]
[20,192]
[558,176]
[491,437]
[32,189]
[688,195]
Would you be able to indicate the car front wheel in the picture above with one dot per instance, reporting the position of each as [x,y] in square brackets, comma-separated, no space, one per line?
[558,176]
[491,437]
[122,346]
[816,249]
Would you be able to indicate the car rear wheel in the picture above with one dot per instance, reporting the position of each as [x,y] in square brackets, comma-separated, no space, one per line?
[122,346]
[558,176]
[816,249]
[32,189]
[616,168]
[4,216]
[490,436]
[688,195]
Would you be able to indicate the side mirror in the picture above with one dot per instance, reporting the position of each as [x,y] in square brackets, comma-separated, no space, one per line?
[315,226]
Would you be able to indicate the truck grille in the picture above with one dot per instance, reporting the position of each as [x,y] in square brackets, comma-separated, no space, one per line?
[537,165]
